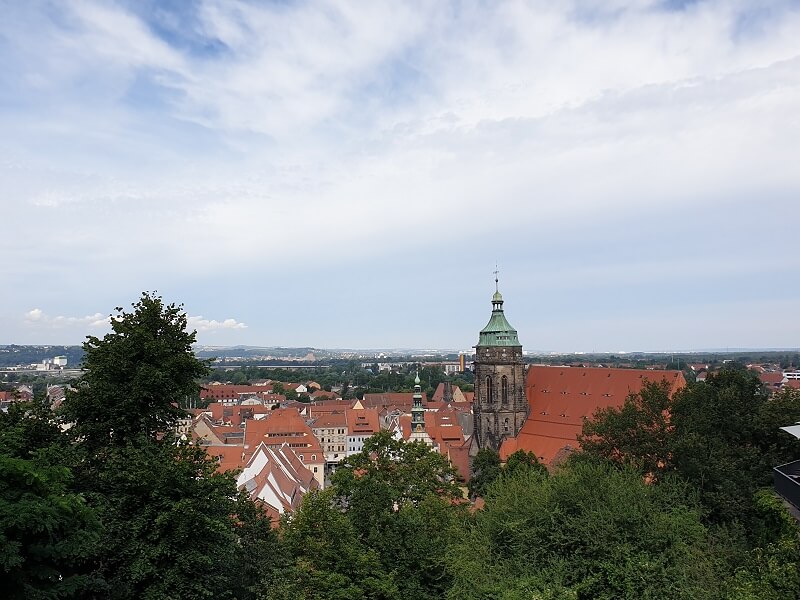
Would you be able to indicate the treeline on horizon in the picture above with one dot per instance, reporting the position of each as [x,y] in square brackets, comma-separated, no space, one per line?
[16,354]
[670,498]
[354,381]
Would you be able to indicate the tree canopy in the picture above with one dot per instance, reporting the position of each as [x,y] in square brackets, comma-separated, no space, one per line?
[136,378]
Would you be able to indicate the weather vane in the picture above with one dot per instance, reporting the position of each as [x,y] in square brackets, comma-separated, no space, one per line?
[496,273]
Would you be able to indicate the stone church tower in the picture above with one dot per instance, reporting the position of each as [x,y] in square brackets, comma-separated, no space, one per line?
[500,407]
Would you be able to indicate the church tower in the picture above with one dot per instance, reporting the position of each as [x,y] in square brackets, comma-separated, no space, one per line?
[500,407]
[418,433]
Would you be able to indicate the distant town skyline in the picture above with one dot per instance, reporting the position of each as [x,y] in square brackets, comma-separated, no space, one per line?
[348,175]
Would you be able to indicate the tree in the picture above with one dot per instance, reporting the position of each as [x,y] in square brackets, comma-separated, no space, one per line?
[725,439]
[485,470]
[635,433]
[403,501]
[772,569]
[589,531]
[721,435]
[521,461]
[401,472]
[47,531]
[171,525]
[328,561]
[136,377]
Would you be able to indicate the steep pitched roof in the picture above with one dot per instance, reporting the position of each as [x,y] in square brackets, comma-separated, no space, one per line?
[274,476]
[283,425]
[363,421]
[560,398]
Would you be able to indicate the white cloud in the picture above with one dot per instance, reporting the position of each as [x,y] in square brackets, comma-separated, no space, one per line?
[38,317]
[202,325]
[313,134]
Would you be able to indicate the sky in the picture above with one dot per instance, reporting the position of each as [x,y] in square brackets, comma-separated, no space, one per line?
[349,174]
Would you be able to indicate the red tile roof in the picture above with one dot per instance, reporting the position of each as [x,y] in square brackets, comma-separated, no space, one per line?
[560,397]
[219,392]
[772,379]
[329,420]
[399,399]
[362,421]
[284,425]
[276,477]
[230,457]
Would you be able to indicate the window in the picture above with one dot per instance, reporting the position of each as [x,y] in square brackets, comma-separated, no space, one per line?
[315,469]
[505,423]
[504,389]
[489,390]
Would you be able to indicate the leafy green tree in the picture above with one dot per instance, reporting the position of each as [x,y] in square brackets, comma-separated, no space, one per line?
[725,439]
[589,531]
[328,561]
[168,518]
[521,461]
[637,433]
[485,470]
[47,532]
[239,378]
[772,569]
[136,377]
[389,472]
[722,436]
[171,525]
[403,501]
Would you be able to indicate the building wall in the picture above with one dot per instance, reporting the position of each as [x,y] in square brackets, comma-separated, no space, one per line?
[499,411]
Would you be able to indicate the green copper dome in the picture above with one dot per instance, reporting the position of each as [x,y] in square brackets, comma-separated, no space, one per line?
[498,331]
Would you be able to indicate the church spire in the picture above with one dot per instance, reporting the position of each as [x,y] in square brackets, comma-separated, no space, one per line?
[417,411]
[500,406]
[498,331]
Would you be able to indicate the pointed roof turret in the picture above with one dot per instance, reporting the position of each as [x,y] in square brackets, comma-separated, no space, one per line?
[498,331]
[417,410]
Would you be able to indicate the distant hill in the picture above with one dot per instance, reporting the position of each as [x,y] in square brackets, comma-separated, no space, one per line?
[13,355]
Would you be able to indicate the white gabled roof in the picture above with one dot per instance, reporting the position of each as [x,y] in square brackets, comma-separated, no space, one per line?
[793,430]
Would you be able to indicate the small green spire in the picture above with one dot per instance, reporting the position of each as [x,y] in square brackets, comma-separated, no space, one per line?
[498,331]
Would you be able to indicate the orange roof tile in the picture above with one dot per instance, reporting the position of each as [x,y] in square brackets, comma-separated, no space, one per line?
[399,399]
[362,421]
[230,457]
[560,397]
[283,425]
[329,419]
[774,379]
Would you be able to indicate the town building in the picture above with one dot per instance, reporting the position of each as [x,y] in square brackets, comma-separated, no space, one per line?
[541,409]
[418,433]
[500,406]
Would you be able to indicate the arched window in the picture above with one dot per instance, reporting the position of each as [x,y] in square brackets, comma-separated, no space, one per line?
[505,426]
[504,389]
[489,390]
